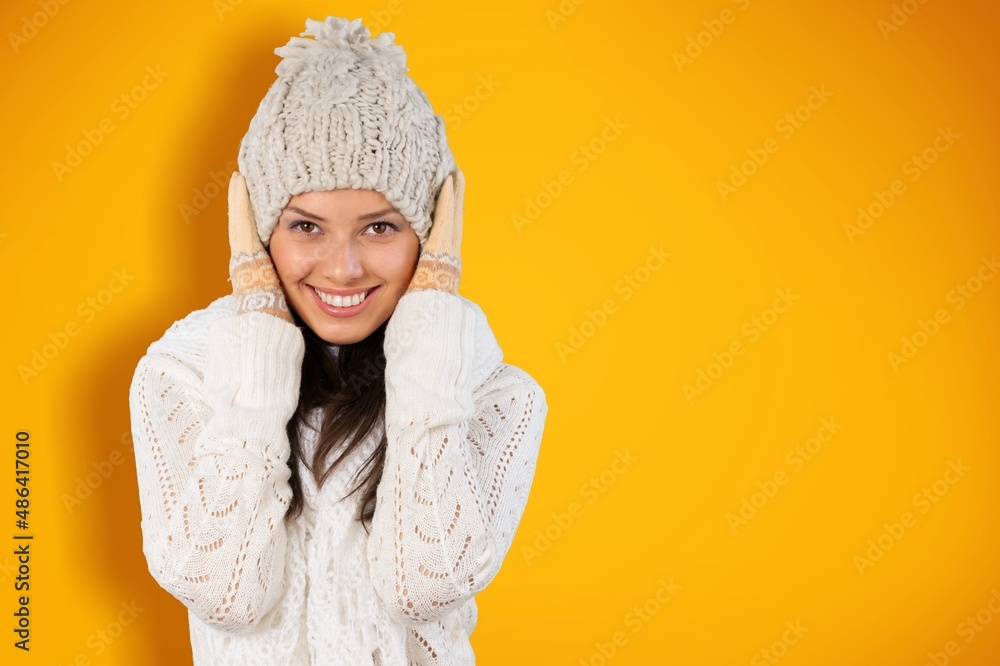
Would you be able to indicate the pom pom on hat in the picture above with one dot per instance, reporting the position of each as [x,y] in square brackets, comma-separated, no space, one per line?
[343,113]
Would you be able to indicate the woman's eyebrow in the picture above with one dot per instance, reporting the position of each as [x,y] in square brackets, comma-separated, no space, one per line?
[379,213]
[366,216]
[305,213]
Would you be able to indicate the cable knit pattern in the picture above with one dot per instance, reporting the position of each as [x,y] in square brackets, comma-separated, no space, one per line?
[209,403]
[344,114]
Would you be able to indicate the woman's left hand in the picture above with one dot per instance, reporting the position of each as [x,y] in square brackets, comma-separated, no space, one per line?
[440,263]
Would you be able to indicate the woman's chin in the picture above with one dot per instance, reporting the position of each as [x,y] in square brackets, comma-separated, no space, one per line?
[341,332]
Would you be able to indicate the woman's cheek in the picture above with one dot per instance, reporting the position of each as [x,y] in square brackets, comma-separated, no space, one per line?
[289,262]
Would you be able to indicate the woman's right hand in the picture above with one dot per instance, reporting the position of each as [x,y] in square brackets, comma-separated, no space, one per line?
[255,282]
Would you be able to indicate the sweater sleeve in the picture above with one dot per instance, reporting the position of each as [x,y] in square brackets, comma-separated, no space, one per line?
[463,435]
[211,454]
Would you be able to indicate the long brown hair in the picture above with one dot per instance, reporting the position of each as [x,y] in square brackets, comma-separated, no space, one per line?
[349,389]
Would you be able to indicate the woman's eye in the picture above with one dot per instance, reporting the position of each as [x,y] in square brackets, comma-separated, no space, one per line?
[382,228]
[304,226]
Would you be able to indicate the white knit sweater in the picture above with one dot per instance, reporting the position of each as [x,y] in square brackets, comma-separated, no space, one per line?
[209,403]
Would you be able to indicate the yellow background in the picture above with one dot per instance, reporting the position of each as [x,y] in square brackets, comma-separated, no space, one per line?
[527,86]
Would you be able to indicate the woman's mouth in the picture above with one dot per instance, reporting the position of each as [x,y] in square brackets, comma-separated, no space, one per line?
[342,306]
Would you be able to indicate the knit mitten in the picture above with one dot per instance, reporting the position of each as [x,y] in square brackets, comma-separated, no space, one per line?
[440,264]
[255,282]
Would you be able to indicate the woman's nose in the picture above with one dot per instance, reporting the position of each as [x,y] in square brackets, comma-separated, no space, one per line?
[341,263]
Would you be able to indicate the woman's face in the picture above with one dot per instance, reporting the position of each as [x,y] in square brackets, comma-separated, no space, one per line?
[351,244]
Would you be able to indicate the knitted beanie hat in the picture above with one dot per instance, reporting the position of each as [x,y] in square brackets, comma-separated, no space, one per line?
[344,113]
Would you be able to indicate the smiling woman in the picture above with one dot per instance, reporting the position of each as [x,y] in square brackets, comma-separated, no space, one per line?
[334,459]
[344,259]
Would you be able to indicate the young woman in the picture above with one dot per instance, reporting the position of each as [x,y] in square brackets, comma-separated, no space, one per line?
[333,460]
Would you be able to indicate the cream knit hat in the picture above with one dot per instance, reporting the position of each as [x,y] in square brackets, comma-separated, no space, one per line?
[344,113]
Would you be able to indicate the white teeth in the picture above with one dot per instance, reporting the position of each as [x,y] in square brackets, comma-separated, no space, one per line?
[341,301]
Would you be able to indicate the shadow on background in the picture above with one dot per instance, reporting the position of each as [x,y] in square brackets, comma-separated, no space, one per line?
[199,249]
